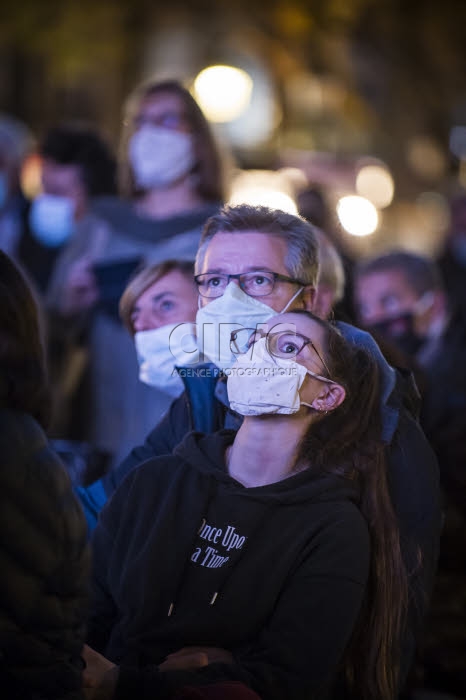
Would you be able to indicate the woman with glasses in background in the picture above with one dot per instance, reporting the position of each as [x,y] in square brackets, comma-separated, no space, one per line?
[268,557]
[171,181]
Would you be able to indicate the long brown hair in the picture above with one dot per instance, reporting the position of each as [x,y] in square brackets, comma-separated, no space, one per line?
[347,442]
[23,376]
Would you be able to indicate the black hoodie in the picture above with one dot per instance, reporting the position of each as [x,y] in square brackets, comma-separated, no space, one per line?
[187,556]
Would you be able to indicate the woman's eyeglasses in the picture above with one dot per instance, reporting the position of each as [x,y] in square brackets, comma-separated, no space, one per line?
[285,345]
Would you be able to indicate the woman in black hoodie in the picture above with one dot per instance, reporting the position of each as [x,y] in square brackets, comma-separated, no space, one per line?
[271,557]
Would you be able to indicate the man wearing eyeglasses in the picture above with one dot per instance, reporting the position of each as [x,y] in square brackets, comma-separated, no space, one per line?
[252,263]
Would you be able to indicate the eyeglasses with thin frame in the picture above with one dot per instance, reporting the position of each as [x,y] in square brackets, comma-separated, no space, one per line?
[168,120]
[259,283]
[285,345]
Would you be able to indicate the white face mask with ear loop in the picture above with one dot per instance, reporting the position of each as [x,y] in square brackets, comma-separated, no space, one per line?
[162,349]
[233,310]
[260,384]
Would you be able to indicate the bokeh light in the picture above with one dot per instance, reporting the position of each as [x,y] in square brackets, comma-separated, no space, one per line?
[269,188]
[223,92]
[30,176]
[263,196]
[374,182]
[357,215]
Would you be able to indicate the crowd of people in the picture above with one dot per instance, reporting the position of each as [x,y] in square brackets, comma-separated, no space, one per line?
[271,498]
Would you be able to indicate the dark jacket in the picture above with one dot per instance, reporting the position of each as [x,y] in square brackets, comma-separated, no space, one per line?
[43,565]
[182,551]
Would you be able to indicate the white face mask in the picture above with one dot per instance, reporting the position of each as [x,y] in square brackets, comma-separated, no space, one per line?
[51,219]
[160,350]
[160,156]
[233,310]
[260,384]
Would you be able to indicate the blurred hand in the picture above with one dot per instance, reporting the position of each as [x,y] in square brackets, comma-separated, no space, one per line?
[190,658]
[81,291]
[97,667]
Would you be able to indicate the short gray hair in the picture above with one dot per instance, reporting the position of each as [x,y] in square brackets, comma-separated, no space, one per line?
[302,259]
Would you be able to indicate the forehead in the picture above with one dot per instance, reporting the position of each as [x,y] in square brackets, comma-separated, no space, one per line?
[297,323]
[376,284]
[240,252]
[161,103]
[55,173]
[175,282]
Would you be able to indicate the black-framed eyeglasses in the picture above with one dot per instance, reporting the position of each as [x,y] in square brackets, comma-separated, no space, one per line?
[259,283]
[285,345]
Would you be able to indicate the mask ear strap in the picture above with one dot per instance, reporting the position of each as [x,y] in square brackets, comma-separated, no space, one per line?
[287,306]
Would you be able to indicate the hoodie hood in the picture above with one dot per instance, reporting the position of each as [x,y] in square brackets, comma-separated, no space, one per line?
[206,454]
[121,216]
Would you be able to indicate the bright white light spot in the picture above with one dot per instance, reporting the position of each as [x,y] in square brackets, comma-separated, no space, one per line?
[264,196]
[376,184]
[357,215]
[223,92]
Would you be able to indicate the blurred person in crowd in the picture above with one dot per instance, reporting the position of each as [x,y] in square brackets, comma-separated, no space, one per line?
[452,260]
[77,165]
[401,296]
[253,262]
[15,144]
[331,277]
[158,308]
[299,495]
[171,179]
[314,207]
[43,553]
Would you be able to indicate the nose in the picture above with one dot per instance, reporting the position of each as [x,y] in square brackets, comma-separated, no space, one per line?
[142,322]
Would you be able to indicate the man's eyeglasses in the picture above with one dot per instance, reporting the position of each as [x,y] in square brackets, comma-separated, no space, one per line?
[285,345]
[255,284]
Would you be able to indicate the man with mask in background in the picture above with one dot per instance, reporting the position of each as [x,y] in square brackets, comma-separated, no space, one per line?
[77,165]
[253,262]
[401,296]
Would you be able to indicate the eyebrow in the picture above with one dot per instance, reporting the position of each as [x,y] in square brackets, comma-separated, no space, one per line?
[155,299]
[160,296]
[253,268]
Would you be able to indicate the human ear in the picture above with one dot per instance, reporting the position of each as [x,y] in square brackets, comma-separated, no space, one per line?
[329,398]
